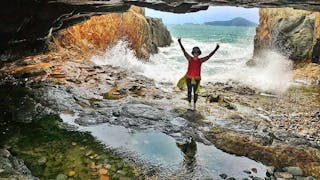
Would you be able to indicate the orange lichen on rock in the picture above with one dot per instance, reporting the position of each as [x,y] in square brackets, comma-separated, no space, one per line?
[100,32]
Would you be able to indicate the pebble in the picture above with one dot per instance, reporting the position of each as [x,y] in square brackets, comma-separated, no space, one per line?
[270,178]
[94,173]
[61,177]
[296,171]
[231,178]
[88,153]
[223,176]
[42,161]
[247,171]
[4,153]
[254,170]
[71,173]
[257,178]
[92,165]
[107,166]
[103,171]
[285,175]
[121,172]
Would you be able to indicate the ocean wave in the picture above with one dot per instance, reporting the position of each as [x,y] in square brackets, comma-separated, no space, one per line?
[229,63]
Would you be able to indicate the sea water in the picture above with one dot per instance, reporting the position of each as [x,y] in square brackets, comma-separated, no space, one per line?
[228,63]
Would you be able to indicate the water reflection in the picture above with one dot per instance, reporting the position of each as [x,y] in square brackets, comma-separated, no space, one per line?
[188,159]
[189,150]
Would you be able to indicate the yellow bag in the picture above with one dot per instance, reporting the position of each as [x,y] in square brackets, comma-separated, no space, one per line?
[182,83]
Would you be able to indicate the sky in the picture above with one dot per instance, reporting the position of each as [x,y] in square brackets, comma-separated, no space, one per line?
[217,13]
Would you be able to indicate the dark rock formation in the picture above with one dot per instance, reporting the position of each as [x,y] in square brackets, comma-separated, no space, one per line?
[26,24]
[293,36]
[290,32]
[13,168]
[160,35]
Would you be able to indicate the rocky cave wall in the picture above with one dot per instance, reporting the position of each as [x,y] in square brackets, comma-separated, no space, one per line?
[290,32]
[144,34]
[26,25]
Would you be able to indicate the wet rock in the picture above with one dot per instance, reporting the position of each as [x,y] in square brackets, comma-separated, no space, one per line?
[141,111]
[91,117]
[296,171]
[103,171]
[13,168]
[179,121]
[285,175]
[223,176]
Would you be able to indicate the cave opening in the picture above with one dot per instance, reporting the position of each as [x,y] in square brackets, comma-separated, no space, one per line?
[115,75]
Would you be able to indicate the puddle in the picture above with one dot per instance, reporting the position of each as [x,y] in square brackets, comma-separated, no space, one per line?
[192,159]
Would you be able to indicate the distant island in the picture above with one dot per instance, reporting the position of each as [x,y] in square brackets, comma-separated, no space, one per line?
[238,21]
[190,23]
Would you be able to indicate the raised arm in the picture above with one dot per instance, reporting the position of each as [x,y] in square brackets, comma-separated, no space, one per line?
[184,51]
[204,59]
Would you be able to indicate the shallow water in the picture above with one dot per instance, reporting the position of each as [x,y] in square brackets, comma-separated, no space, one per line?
[190,159]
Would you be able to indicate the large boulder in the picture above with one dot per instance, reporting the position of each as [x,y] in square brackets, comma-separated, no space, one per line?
[293,36]
[160,35]
[291,32]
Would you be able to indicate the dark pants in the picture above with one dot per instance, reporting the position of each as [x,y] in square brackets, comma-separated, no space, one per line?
[194,87]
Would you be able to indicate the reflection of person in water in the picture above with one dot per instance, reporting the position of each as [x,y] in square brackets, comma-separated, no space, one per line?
[189,150]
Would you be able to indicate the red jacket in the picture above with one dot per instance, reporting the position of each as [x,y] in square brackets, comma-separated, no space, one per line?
[194,69]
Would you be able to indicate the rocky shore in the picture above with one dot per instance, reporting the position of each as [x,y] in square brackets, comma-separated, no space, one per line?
[279,130]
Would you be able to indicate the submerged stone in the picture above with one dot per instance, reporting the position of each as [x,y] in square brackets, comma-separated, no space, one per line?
[61,177]
[71,173]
